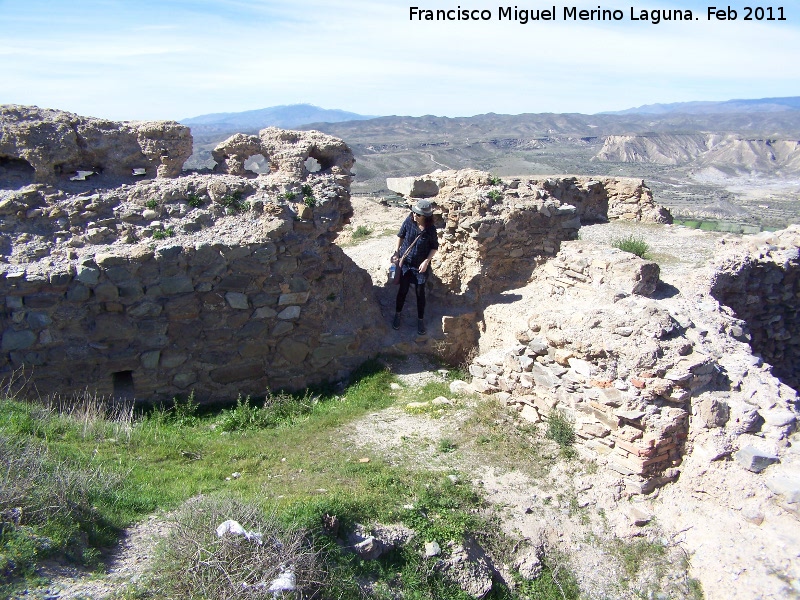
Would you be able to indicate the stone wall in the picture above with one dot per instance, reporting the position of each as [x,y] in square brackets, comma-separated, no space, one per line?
[496,231]
[642,379]
[217,284]
[57,145]
[759,278]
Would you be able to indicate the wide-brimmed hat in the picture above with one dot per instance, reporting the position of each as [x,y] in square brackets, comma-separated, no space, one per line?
[423,207]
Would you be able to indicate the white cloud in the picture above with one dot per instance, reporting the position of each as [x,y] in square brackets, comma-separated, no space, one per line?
[178,58]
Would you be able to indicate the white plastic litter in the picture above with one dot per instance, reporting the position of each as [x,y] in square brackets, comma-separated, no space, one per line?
[231,527]
[285,582]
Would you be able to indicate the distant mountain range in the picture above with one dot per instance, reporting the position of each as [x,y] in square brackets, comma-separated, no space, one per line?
[708,108]
[683,150]
[299,115]
[288,116]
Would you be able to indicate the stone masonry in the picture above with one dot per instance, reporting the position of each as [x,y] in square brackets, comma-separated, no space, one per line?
[217,284]
[759,278]
[57,145]
[641,379]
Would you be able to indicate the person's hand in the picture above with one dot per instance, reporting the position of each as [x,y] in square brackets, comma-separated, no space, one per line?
[423,266]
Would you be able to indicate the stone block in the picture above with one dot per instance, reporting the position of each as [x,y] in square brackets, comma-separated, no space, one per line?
[17,340]
[170,360]
[543,376]
[713,412]
[582,367]
[290,313]
[179,284]
[234,283]
[293,351]
[753,459]
[413,187]
[88,274]
[106,292]
[282,328]
[787,486]
[293,298]
[237,300]
[38,320]
[459,387]
[150,359]
[237,372]
[184,380]
[144,309]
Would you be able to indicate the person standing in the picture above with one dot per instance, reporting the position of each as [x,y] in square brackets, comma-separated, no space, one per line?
[417,243]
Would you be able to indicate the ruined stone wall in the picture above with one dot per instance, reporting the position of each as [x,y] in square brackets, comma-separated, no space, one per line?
[601,199]
[217,284]
[642,380]
[759,278]
[58,144]
[497,231]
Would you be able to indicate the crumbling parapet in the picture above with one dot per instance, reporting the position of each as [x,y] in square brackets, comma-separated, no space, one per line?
[231,154]
[58,144]
[644,382]
[216,284]
[287,153]
[759,278]
[497,231]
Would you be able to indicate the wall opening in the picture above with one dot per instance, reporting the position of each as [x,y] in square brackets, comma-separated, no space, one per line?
[312,165]
[15,173]
[123,385]
[258,164]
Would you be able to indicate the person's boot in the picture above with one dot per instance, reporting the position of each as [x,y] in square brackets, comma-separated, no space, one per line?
[421,327]
[396,321]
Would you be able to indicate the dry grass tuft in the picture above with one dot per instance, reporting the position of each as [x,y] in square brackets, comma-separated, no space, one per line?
[199,564]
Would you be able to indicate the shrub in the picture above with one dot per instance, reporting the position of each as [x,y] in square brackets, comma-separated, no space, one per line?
[152,204]
[289,196]
[195,201]
[361,232]
[495,180]
[233,203]
[560,429]
[446,445]
[310,201]
[495,195]
[276,409]
[196,563]
[162,234]
[632,244]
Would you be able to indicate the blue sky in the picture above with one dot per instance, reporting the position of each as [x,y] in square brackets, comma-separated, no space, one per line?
[172,59]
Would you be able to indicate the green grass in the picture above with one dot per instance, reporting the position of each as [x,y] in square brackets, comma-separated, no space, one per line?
[294,470]
[631,243]
[122,467]
[162,234]
[495,195]
[195,200]
[233,203]
[361,232]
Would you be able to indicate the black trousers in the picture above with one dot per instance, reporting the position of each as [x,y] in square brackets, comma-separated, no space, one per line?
[406,280]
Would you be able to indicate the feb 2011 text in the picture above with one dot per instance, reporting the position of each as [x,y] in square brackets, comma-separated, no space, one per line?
[572,13]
